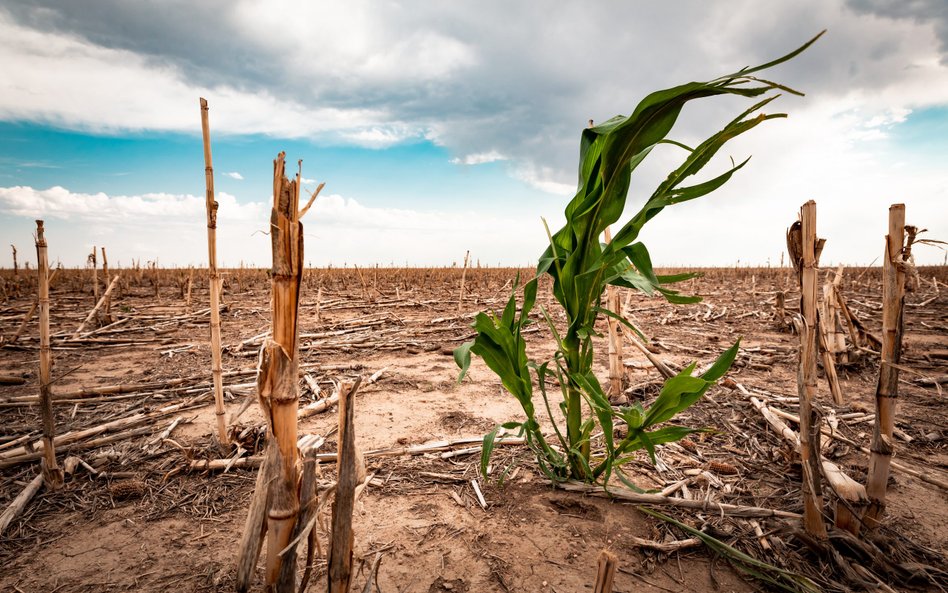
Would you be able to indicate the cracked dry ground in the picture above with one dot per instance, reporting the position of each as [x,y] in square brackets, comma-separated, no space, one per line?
[145,523]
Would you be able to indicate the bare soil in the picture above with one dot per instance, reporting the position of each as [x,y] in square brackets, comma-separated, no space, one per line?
[144,522]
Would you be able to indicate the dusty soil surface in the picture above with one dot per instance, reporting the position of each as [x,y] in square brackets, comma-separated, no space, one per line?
[134,516]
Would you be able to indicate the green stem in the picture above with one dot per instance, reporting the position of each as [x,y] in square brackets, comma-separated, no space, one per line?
[574,409]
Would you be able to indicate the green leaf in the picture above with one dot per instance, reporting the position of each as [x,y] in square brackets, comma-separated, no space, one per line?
[677,394]
[648,444]
[621,320]
[529,298]
[600,405]
[626,481]
[666,434]
[674,278]
[507,319]
[722,364]
[639,256]
[462,357]
[486,449]
[674,298]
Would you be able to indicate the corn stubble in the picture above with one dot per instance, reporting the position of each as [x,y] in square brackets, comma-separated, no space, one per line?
[275,505]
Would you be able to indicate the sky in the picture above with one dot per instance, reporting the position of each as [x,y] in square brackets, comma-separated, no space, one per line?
[446,127]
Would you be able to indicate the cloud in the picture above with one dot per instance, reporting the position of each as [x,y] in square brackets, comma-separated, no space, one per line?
[545,179]
[479,158]
[59,202]
[496,81]
[142,94]
[235,175]
[380,137]
[929,12]
[444,72]
[337,230]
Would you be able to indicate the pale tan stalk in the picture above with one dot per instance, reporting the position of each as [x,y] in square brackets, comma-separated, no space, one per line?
[852,493]
[213,280]
[806,377]
[348,467]
[606,572]
[467,254]
[95,274]
[277,386]
[52,474]
[29,314]
[255,526]
[829,364]
[187,298]
[19,503]
[887,389]
[107,311]
[98,305]
[616,370]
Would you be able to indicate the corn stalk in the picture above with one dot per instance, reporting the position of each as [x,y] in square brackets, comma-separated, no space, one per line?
[581,267]
[213,280]
[897,252]
[52,473]
[278,491]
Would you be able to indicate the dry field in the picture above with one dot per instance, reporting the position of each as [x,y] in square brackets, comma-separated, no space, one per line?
[138,512]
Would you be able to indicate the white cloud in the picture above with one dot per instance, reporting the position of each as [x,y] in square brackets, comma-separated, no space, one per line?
[387,74]
[819,153]
[337,230]
[235,175]
[423,56]
[545,179]
[113,89]
[380,137]
[59,202]
[479,158]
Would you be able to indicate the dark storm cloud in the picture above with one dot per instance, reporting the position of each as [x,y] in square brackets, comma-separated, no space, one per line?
[196,36]
[526,75]
[933,12]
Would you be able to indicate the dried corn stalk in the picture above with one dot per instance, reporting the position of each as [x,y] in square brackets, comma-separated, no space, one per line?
[278,394]
[214,281]
[893,302]
[52,474]
[805,250]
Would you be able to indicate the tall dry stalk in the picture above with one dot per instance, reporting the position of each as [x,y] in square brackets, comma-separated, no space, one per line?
[187,298]
[105,267]
[832,340]
[805,249]
[213,280]
[16,268]
[52,474]
[467,254]
[95,274]
[277,385]
[887,389]
[107,311]
[278,393]
[616,371]
[29,314]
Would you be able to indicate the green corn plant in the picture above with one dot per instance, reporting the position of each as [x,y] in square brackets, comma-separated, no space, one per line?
[581,267]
